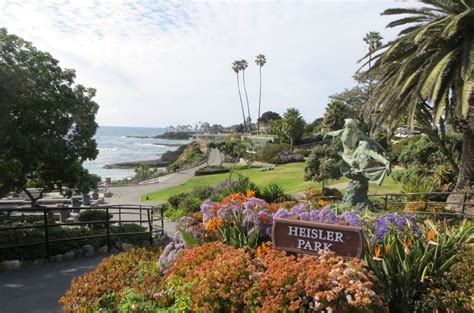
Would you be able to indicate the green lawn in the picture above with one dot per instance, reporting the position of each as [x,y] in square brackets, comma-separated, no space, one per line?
[289,176]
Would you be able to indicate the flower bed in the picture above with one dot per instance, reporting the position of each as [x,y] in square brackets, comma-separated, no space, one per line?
[221,260]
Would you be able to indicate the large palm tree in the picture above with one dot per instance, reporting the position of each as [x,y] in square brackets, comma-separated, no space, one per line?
[431,61]
[236,67]
[374,42]
[243,66]
[260,60]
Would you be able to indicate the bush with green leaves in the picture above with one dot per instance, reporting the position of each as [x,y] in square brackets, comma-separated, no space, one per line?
[242,185]
[92,215]
[407,257]
[269,153]
[324,162]
[273,193]
[23,236]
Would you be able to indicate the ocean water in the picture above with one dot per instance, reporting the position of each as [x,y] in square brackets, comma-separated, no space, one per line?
[114,147]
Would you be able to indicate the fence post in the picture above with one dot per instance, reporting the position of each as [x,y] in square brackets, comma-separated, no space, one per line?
[150,224]
[120,216]
[385,202]
[108,228]
[162,220]
[46,234]
[426,201]
[464,203]
[141,215]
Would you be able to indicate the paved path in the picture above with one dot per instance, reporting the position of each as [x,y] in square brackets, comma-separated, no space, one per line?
[131,194]
[38,289]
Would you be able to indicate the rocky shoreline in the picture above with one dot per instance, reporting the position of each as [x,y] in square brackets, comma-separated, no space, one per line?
[168,135]
[166,159]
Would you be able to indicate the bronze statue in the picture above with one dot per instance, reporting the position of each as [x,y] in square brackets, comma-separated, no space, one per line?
[364,161]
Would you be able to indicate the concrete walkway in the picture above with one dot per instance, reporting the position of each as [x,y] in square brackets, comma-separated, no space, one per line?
[38,289]
[131,194]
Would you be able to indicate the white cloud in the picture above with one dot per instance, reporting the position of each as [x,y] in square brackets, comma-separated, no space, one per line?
[157,63]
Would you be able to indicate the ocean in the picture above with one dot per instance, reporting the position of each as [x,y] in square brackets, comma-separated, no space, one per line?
[114,147]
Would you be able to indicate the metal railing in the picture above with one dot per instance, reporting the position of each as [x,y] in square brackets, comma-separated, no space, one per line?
[146,215]
[422,200]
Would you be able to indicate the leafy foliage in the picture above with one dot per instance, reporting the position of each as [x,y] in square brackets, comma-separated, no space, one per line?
[114,282]
[90,215]
[273,193]
[47,122]
[405,257]
[324,162]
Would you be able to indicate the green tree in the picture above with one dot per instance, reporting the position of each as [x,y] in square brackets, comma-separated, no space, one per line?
[324,162]
[430,61]
[47,122]
[236,68]
[292,125]
[336,112]
[260,60]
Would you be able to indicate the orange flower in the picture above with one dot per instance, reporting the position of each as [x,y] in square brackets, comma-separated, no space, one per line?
[387,248]
[377,251]
[250,193]
[264,218]
[260,250]
[322,202]
[274,207]
[430,234]
[213,224]
[406,245]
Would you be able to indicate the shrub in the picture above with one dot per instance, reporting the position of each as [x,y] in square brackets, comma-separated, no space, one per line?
[176,199]
[202,192]
[31,253]
[325,283]
[90,215]
[241,186]
[269,152]
[211,170]
[406,256]
[104,288]
[274,193]
[210,278]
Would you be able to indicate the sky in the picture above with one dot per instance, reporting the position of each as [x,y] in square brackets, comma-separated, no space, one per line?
[160,63]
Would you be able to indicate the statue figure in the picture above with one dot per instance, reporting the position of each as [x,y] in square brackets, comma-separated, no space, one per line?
[363,162]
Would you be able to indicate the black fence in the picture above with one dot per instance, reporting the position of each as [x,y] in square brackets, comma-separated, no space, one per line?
[121,214]
[432,203]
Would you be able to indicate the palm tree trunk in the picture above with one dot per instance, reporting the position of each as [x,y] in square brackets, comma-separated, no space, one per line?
[241,103]
[465,181]
[259,101]
[466,170]
[248,105]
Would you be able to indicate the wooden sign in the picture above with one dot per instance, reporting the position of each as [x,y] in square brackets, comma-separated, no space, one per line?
[311,237]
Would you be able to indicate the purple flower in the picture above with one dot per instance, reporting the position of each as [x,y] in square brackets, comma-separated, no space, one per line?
[255,203]
[207,210]
[281,213]
[224,184]
[351,218]
[396,223]
[171,251]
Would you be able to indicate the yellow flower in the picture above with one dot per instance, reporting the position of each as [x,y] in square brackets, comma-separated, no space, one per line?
[250,193]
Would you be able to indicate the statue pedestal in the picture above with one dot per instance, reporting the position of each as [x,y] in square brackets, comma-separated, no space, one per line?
[356,195]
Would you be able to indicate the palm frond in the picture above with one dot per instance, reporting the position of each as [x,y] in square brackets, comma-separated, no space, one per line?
[408,20]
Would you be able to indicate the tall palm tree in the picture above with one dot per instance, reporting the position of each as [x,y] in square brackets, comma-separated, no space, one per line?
[236,67]
[374,42]
[243,66]
[431,60]
[260,60]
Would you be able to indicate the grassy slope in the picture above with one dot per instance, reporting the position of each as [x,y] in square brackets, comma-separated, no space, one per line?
[289,176]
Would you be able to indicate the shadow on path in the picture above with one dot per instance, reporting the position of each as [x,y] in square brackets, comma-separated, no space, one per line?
[38,289]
